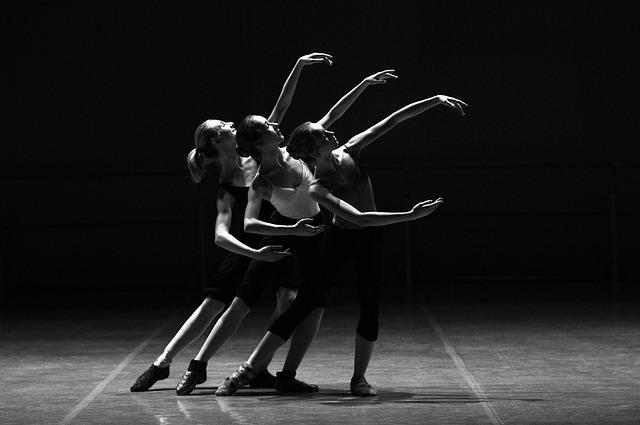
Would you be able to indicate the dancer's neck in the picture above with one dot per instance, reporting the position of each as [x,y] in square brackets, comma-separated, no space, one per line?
[272,158]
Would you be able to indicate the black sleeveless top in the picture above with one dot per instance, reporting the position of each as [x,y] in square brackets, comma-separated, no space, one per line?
[210,190]
[238,206]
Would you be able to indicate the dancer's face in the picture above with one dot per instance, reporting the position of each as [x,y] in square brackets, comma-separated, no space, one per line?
[325,140]
[219,133]
[270,133]
[225,130]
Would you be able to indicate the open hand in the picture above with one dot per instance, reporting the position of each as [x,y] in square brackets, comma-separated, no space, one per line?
[452,102]
[273,253]
[424,208]
[303,228]
[316,58]
[381,77]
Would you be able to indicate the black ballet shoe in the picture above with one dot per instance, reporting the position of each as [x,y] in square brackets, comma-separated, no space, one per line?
[150,377]
[263,380]
[286,382]
[196,374]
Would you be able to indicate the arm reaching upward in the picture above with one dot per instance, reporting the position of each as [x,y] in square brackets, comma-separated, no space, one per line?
[289,88]
[348,212]
[360,141]
[347,100]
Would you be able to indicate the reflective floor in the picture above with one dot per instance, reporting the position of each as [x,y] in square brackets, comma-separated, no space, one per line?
[482,364]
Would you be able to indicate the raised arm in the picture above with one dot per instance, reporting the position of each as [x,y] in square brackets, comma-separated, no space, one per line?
[252,224]
[226,240]
[348,212]
[289,88]
[347,100]
[361,140]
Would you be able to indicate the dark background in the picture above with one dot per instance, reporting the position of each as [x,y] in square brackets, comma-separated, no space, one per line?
[540,178]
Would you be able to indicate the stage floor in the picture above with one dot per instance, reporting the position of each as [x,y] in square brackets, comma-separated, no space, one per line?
[459,364]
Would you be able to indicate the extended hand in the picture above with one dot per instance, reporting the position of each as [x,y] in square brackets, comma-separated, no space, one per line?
[273,253]
[316,58]
[452,102]
[303,228]
[424,208]
[381,77]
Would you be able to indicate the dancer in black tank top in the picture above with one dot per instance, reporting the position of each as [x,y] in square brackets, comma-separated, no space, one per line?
[213,161]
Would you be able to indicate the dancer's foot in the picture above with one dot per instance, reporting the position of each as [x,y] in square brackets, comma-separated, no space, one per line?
[361,388]
[196,374]
[237,380]
[286,382]
[263,380]
[150,377]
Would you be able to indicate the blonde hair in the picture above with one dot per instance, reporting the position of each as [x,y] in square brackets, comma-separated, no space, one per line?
[195,158]
[194,163]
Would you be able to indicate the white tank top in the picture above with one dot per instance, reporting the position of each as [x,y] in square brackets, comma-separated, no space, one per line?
[295,202]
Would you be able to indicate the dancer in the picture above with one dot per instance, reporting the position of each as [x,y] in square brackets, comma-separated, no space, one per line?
[213,161]
[342,186]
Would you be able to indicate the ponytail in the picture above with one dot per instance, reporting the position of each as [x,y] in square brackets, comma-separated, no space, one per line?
[194,163]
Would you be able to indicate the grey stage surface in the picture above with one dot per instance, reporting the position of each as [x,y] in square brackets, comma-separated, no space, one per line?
[483,364]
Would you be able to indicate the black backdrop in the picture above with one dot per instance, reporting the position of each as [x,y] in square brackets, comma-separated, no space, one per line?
[540,177]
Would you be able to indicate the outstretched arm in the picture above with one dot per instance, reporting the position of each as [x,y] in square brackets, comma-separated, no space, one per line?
[361,140]
[289,88]
[347,100]
[348,212]
[229,242]
[252,224]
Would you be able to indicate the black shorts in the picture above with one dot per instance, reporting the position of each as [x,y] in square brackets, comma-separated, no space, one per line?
[225,281]
[287,273]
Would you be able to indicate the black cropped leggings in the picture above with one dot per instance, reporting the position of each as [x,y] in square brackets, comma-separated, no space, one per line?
[361,246]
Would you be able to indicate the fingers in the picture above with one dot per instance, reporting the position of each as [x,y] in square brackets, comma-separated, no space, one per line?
[316,229]
[320,57]
[382,76]
[274,247]
[458,101]
[387,73]
[429,203]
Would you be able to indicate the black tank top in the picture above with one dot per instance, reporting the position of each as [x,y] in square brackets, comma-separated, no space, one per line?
[239,204]
[210,191]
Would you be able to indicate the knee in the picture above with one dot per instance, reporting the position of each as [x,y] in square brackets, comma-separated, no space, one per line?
[238,308]
[368,323]
[368,330]
[284,298]
[212,306]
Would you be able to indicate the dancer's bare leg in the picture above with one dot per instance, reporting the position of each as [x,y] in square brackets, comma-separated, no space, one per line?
[301,339]
[364,351]
[226,326]
[191,330]
[359,385]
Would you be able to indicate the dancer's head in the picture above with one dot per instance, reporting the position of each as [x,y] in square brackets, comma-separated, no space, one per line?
[257,135]
[210,137]
[310,141]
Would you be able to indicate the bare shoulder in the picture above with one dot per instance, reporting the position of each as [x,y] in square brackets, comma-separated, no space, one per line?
[340,153]
[261,185]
